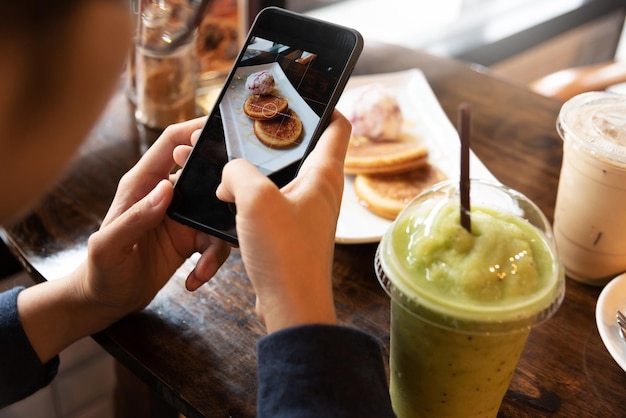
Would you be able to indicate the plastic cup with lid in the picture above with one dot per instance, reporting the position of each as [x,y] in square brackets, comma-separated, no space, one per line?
[590,212]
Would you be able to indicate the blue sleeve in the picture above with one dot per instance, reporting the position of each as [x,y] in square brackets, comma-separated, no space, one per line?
[321,371]
[21,371]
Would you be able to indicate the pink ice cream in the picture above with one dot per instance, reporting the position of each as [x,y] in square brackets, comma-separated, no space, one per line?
[376,114]
[261,82]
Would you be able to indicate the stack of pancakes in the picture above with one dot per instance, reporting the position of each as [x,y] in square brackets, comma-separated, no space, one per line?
[389,172]
[274,123]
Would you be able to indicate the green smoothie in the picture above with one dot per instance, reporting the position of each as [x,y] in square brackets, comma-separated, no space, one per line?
[463,304]
[436,372]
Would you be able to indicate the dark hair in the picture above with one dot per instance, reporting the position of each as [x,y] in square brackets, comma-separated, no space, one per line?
[40,28]
[33,15]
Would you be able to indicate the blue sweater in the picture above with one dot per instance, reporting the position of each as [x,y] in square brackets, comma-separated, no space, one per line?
[21,371]
[309,371]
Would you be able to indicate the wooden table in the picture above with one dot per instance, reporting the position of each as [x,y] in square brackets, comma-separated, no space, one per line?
[197,350]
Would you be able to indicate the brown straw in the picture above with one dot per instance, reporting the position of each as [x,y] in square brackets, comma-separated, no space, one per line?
[464,134]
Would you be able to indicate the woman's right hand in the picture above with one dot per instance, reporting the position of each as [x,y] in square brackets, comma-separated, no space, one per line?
[287,235]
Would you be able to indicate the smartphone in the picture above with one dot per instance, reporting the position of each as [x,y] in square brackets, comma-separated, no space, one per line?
[310,62]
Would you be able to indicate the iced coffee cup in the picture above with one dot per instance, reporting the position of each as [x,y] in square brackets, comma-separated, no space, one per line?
[463,303]
[590,212]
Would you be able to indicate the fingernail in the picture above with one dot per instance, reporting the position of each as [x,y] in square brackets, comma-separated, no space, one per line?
[156,195]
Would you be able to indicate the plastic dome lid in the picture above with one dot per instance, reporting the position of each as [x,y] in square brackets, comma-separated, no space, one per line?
[596,121]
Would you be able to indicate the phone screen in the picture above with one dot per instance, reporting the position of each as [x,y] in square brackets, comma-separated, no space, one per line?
[309,62]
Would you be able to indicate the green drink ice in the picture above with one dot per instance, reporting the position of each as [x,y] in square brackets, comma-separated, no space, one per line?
[462,304]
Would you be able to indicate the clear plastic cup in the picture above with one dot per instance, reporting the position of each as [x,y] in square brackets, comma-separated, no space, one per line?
[463,304]
[590,215]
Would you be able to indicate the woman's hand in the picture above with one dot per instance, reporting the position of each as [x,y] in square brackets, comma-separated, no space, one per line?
[138,247]
[135,252]
[287,235]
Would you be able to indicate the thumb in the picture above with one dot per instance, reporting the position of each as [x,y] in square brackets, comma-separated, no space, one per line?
[130,226]
[238,175]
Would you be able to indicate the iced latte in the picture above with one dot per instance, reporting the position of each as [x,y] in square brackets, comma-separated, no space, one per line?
[590,213]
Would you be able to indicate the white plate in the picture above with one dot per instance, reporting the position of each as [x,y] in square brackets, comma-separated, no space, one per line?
[425,119]
[612,298]
[241,142]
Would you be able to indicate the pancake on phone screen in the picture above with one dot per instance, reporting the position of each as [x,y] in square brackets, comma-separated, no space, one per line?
[280,132]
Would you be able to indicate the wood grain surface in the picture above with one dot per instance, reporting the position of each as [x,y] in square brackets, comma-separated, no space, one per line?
[197,350]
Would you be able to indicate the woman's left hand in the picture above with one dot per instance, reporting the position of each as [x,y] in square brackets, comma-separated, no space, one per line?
[138,247]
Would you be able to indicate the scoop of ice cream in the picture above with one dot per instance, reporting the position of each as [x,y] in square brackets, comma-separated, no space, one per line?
[376,114]
[261,82]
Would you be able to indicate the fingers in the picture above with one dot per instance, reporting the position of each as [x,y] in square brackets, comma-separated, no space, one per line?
[181,152]
[238,176]
[194,282]
[207,265]
[322,170]
[155,165]
[195,135]
[324,165]
[158,158]
[333,144]
[118,238]
[241,178]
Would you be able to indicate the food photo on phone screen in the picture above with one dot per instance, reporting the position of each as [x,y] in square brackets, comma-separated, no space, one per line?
[272,109]
[267,111]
